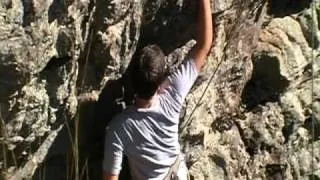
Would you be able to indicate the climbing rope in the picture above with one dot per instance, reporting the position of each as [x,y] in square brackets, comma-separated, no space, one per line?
[312,88]
[188,121]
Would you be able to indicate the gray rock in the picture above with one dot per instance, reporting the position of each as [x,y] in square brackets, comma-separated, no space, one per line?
[254,112]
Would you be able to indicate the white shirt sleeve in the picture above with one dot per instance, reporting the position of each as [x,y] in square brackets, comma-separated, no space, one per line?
[113,153]
[176,88]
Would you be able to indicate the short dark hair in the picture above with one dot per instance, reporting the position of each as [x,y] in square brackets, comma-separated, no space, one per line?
[149,71]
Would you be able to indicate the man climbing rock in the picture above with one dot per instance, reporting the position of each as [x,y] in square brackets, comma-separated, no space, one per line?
[147,132]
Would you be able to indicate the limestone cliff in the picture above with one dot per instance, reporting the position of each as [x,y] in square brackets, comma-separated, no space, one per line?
[254,112]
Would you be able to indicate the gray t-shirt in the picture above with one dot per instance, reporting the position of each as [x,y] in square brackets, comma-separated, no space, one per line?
[149,137]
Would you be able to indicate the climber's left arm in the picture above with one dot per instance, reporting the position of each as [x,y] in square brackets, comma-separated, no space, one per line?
[113,154]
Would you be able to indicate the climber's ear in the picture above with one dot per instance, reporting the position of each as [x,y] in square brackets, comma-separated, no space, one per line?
[107,176]
[163,86]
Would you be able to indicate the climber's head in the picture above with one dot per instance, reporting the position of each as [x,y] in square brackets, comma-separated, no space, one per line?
[149,71]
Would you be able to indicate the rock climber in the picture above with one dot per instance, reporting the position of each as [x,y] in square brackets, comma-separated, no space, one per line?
[147,131]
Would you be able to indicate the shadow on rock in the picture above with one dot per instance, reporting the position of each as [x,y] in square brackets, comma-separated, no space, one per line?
[287,7]
[266,83]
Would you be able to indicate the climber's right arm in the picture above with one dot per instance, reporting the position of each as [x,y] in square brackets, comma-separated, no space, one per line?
[204,34]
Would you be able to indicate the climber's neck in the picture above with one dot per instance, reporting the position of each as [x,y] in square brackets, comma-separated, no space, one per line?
[143,103]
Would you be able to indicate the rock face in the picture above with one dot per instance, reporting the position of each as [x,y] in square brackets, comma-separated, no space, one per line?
[254,112]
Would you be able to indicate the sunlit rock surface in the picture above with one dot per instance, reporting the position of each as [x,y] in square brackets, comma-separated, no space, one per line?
[254,112]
